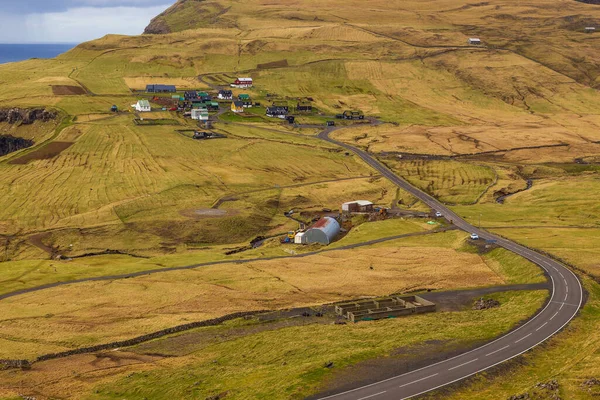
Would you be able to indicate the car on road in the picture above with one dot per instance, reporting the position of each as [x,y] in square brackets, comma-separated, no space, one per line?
[438,214]
[474,236]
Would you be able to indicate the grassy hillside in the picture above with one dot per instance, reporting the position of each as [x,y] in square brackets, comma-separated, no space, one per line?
[507,133]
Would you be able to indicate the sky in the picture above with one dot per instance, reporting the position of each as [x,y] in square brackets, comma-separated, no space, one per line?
[74,21]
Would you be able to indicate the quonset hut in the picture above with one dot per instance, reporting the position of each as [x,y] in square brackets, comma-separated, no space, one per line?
[323,231]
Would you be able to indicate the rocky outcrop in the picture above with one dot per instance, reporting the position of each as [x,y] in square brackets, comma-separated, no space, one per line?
[485,304]
[157,26]
[26,116]
[8,144]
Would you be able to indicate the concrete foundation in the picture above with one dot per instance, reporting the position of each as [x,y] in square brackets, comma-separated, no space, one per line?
[390,307]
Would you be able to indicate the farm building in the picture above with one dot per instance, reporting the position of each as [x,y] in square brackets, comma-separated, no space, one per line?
[213,105]
[357,206]
[242,83]
[300,238]
[161,89]
[474,41]
[204,96]
[243,97]
[237,106]
[323,231]
[143,106]
[304,106]
[278,112]
[590,29]
[200,114]
[225,95]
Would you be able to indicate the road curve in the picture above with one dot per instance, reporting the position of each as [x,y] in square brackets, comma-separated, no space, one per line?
[565,301]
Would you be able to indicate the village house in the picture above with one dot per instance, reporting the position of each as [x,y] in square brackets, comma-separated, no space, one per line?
[277,112]
[237,106]
[225,95]
[190,94]
[245,99]
[161,89]
[242,83]
[281,104]
[200,114]
[143,106]
[304,106]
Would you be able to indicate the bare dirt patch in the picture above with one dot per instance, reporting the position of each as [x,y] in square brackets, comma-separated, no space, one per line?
[201,213]
[273,64]
[44,153]
[66,90]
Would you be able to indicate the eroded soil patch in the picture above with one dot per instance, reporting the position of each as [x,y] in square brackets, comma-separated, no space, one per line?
[201,213]
[51,150]
[66,90]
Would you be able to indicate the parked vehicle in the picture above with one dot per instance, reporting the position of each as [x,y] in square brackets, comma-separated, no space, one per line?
[474,236]
[438,214]
[330,123]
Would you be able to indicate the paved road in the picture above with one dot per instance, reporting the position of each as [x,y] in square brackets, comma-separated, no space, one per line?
[565,301]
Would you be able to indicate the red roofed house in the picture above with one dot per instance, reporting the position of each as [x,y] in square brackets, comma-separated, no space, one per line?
[242,83]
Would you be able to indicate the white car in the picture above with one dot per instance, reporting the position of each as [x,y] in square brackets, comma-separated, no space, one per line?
[438,214]
[474,236]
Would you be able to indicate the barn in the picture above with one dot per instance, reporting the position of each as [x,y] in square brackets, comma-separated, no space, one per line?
[200,114]
[357,206]
[242,83]
[323,231]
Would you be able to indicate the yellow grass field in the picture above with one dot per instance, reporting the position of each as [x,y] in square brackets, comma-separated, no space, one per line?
[522,108]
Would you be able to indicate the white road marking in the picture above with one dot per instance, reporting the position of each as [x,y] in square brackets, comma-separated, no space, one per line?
[494,352]
[556,269]
[373,395]
[463,364]
[561,306]
[551,318]
[565,282]
[523,338]
[545,323]
[561,275]
[566,294]
[567,289]
[418,380]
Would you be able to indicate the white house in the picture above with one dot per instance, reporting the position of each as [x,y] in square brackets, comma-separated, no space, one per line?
[143,106]
[475,41]
[200,114]
[225,95]
[300,238]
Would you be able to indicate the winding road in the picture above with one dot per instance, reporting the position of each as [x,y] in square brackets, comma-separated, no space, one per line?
[565,301]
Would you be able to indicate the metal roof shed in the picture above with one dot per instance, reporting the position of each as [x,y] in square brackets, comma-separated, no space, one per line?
[323,231]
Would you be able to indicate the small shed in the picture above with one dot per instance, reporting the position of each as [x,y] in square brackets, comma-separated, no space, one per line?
[300,238]
[200,114]
[143,106]
[244,96]
[474,41]
[304,106]
[323,231]
[590,29]
[357,206]
[237,106]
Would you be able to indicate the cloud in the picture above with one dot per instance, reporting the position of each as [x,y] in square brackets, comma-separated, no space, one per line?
[77,25]
[54,6]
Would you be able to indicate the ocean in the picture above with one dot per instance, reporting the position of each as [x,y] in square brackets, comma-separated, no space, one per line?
[19,52]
